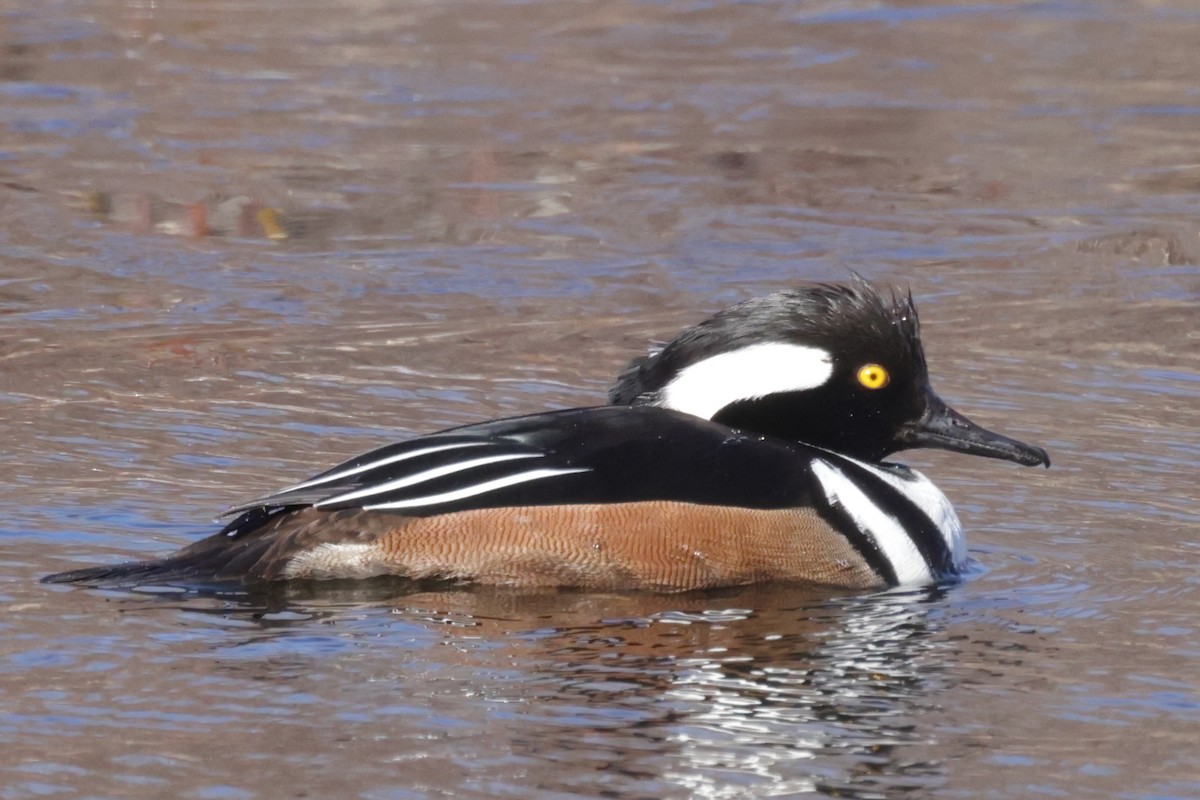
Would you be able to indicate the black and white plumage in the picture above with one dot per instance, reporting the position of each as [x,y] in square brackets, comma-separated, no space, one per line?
[787,365]
[749,448]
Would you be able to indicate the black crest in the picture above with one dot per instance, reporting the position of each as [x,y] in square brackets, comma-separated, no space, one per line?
[853,321]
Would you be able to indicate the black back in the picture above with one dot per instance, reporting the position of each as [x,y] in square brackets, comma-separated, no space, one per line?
[621,454]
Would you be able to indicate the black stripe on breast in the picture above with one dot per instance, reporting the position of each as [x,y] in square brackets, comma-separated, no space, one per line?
[921,530]
[841,521]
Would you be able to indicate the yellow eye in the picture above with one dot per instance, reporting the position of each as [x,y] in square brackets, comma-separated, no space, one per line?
[873,376]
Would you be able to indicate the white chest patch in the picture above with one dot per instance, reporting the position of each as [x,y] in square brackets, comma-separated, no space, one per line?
[935,505]
[707,386]
[889,535]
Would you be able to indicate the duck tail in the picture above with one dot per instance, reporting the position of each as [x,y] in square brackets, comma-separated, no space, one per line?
[230,555]
[188,566]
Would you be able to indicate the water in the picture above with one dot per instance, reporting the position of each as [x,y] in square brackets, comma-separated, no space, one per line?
[244,241]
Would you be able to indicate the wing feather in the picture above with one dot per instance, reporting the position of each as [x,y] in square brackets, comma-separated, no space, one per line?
[595,455]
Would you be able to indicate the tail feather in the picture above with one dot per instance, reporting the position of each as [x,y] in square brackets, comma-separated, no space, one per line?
[186,566]
[237,554]
[128,573]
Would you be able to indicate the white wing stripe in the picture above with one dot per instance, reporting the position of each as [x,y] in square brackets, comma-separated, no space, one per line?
[889,535]
[479,488]
[421,477]
[381,462]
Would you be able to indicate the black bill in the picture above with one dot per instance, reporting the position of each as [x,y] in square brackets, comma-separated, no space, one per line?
[944,428]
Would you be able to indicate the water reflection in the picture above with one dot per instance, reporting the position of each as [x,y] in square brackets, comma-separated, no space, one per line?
[769,689]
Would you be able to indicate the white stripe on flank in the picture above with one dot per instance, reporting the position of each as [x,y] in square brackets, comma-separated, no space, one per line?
[381,462]
[479,488]
[887,532]
[421,477]
[707,386]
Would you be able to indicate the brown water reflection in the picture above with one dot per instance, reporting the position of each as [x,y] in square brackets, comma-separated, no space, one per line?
[654,694]
[481,209]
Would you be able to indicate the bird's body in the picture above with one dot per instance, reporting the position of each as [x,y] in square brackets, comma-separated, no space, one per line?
[748,450]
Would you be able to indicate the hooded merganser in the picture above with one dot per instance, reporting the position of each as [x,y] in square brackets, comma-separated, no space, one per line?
[748,449]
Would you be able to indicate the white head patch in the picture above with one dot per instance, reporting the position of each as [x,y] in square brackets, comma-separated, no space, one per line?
[704,388]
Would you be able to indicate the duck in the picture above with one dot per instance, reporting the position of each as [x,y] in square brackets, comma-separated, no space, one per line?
[751,448]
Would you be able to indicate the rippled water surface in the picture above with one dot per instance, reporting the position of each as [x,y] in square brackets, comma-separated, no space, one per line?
[241,241]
